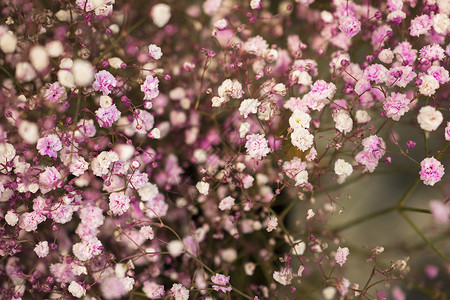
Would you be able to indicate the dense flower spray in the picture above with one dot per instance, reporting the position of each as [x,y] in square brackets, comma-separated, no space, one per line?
[210,149]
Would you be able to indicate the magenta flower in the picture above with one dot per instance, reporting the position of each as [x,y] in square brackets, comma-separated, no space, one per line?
[221,283]
[150,87]
[106,116]
[49,145]
[396,105]
[350,25]
[431,171]
[104,82]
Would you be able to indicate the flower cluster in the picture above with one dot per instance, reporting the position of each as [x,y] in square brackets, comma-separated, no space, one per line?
[208,148]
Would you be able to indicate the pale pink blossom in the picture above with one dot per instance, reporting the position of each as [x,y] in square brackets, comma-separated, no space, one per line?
[257,146]
[431,171]
[119,203]
[49,145]
[42,249]
[221,283]
[341,255]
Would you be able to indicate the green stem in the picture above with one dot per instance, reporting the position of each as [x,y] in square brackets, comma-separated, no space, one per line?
[365,218]
[402,201]
[425,239]
[14,79]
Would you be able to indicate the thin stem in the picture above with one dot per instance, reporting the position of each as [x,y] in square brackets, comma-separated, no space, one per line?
[425,239]
[365,218]
[402,200]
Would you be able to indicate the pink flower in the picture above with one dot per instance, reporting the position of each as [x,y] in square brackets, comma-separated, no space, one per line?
[432,52]
[350,26]
[87,249]
[376,73]
[400,76]
[447,132]
[396,105]
[106,116]
[154,52]
[179,292]
[420,25]
[431,171]
[61,213]
[49,179]
[153,290]
[362,86]
[341,255]
[375,146]
[256,45]
[342,286]
[321,90]
[55,93]
[150,87]
[380,36]
[226,203]
[440,211]
[406,52]
[30,221]
[257,146]
[42,249]
[440,73]
[119,203]
[49,145]
[104,82]
[147,232]
[221,283]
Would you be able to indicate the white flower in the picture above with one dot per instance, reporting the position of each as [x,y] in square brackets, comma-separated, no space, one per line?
[429,118]
[343,168]
[344,122]
[226,203]
[244,128]
[148,192]
[221,24]
[175,248]
[66,78]
[217,101]
[105,101]
[310,214]
[429,85]
[386,56]
[202,187]
[302,139]
[299,119]
[28,131]
[76,290]
[301,178]
[255,4]
[11,218]
[127,283]
[115,62]
[441,23]
[8,42]
[249,106]
[54,48]
[272,224]
[160,14]
[39,58]
[284,277]
[299,248]
[83,72]
[180,292]
[362,116]
[154,52]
